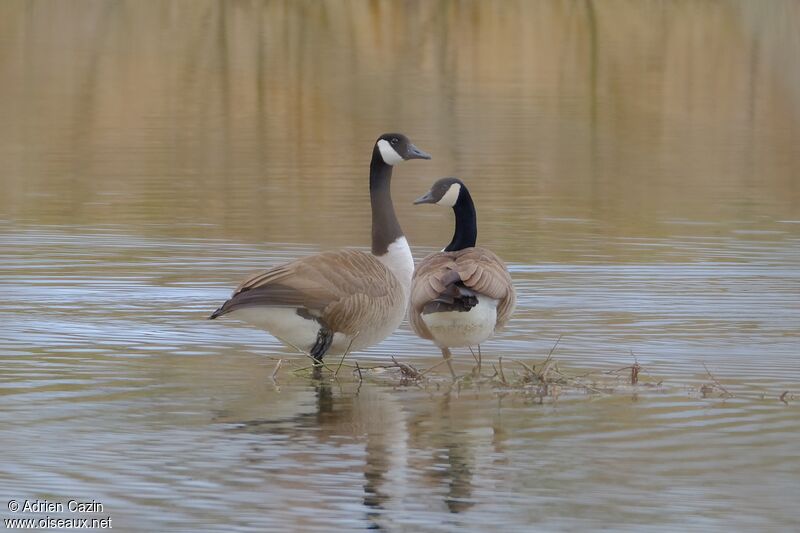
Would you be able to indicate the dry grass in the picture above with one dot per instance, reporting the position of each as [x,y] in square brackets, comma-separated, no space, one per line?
[542,380]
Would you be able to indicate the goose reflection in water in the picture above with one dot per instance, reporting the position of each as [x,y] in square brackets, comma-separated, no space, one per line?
[405,451]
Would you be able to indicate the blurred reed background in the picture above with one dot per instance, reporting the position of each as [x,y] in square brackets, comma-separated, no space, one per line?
[165,115]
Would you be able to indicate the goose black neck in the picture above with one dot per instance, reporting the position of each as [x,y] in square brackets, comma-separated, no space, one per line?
[385,226]
[466,233]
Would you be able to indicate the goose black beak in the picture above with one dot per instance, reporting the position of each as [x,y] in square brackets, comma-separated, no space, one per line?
[416,153]
[426,198]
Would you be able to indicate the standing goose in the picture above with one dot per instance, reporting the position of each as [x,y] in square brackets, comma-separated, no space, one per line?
[339,300]
[463,294]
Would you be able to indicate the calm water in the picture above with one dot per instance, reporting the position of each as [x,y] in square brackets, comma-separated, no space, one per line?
[636,163]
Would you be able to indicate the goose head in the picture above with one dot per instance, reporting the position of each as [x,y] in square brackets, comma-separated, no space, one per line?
[444,192]
[395,147]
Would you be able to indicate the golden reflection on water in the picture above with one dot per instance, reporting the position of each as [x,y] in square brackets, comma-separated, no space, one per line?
[635,162]
[239,115]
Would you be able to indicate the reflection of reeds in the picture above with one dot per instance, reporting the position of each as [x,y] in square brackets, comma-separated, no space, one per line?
[203,102]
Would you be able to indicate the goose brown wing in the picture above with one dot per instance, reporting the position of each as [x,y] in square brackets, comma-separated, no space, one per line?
[485,273]
[429,281]
[479,270]
[343,288]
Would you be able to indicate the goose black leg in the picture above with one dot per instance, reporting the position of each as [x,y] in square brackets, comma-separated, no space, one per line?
[322,344]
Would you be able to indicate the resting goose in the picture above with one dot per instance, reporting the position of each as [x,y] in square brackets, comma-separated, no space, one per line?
[463,294]
[340,300]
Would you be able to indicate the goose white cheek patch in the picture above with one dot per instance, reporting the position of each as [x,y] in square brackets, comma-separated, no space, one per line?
[389,154]
[451,196]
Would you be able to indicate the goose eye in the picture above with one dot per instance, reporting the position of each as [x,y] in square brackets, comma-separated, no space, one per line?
[394,141]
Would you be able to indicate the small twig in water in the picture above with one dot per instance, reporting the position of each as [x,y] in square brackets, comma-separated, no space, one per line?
[360,377]
[716,382]
[277,367]
[783,397]
[546,370]
[437,365]
[553,349]
[496,373]
[347,351]
[548,362]
[635,369]
[526,367]
[407,369]
[317,362]
[473,354]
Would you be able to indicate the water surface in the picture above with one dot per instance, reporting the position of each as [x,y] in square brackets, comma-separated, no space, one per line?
[635,163]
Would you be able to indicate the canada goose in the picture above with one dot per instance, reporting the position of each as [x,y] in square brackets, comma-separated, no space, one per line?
[463,294]
[340,300]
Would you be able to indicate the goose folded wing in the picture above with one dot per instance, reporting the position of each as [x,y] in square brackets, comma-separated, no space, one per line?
[338,287]
[431,278]
[478,269]
[485,273]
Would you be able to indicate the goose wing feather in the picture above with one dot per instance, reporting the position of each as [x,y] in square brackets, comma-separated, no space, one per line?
[346,289]
[478,269]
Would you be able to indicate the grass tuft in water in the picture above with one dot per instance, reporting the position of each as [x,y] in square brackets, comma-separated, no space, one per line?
[540,380]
